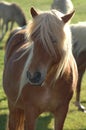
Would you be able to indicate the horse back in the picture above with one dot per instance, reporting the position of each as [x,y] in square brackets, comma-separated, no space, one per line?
[16,40]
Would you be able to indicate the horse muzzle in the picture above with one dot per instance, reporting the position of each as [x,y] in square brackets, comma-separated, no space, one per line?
[36,79]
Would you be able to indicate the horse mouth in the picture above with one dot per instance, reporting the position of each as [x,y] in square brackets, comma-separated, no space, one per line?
[36,80]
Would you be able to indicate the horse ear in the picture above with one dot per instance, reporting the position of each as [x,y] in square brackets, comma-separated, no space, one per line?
[67,17]
[33,12]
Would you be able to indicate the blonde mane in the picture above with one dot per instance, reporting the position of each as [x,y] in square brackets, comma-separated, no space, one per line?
[51,31]
[49,28]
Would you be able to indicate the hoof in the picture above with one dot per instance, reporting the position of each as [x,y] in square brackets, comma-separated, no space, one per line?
[80,107]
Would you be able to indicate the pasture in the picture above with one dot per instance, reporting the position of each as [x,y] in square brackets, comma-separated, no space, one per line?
[75,120]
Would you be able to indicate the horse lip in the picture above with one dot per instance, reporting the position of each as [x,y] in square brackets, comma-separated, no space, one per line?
[36,84]
[39,83]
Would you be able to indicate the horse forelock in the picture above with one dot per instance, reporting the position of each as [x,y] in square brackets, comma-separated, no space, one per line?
[47,28]
[53,34]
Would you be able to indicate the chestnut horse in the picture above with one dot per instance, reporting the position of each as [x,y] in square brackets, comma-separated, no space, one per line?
[40,72]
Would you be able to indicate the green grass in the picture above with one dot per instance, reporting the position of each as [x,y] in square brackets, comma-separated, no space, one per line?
[75,120]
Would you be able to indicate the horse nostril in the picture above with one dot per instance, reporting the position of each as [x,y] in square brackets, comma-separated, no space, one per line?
[35,78]
[37,75]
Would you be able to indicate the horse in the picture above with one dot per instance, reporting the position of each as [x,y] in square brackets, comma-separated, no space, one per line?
[40,72]
[10,12]
[79,50]
[78,31]
[65,6]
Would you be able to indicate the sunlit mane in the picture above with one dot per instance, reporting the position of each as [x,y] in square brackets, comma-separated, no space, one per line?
[55,37]
[53,34]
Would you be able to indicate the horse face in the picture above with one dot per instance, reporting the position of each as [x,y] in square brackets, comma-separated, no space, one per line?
[45,48]
[40,64]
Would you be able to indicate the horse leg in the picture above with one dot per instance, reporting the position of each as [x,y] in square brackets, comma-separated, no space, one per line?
[30,119]
[0,23]
[11,26]
[78,89]
[60,116]
[16,119]
[4,30]
[81,64]
[2,26]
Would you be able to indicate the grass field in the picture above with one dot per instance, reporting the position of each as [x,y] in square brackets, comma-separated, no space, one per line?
[75,120]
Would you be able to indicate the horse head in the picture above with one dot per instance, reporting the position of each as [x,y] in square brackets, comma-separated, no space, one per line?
[47,35]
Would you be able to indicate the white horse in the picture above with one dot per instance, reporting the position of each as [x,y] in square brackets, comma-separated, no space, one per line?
[65,6]
[10,12]
[79,44]
[79,49]
[79,37]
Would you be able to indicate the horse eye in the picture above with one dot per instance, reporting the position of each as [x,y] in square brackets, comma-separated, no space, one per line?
[53,40]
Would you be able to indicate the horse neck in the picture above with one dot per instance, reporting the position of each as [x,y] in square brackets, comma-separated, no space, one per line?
[20,19]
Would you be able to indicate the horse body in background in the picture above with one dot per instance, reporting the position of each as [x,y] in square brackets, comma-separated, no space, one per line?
[40,72]
[10,12]
[79,50]
[65,6]
[79,45]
